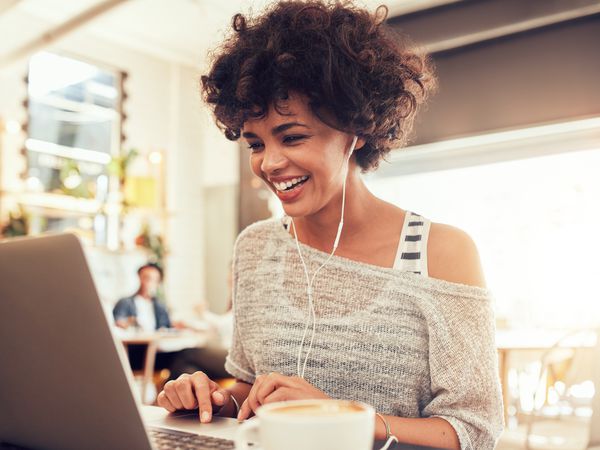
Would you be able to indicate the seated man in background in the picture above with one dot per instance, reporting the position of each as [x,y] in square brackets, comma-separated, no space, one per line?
[145,313]
[142,310]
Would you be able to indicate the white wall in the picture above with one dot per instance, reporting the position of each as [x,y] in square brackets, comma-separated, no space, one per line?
[164,112]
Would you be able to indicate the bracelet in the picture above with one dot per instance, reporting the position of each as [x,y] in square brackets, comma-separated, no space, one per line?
[236,404]
[388,432]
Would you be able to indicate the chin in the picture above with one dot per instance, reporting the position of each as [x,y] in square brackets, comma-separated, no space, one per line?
[298,210]
[294,210]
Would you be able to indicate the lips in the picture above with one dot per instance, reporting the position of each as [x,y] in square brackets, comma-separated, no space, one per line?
[293,193]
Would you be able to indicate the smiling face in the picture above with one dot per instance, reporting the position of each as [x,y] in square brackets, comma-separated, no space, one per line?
[300,158]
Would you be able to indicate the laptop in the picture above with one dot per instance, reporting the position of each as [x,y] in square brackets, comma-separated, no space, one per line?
[65,381]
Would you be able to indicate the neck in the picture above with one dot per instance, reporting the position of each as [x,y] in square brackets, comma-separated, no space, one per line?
[144,294]
[320,229]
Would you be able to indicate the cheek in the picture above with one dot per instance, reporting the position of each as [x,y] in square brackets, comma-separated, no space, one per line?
[330,170]
[255,163]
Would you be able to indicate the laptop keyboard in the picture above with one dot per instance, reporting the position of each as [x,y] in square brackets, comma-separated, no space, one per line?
[165,439]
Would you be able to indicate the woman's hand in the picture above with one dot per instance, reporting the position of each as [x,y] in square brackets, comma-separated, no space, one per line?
[191,392]
[276,387]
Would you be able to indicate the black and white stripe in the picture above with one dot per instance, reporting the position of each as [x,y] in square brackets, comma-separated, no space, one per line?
[412,248]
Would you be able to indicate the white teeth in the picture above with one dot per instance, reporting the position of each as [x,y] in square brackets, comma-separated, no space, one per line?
[288,184]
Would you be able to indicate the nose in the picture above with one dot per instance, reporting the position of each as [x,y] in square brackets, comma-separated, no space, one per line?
[273,160]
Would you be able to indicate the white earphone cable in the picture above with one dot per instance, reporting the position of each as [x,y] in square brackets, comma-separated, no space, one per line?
[310,281]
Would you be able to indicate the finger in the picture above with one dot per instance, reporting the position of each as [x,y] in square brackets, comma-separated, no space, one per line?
[171,393]
[220,397]
[164,402]
[203,389]
[251,400]
[270,384]
[280,395]
[245,411]
[185,392]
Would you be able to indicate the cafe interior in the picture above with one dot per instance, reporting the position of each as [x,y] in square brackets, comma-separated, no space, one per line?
[103,133]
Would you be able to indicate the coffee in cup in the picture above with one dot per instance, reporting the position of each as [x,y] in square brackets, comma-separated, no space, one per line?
[310,424]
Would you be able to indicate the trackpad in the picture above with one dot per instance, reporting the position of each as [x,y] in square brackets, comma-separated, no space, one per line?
[189,420]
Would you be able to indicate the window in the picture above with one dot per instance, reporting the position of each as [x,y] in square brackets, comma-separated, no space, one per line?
[535,222]
[74,130]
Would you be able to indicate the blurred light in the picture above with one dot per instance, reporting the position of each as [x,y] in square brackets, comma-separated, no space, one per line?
[584,412]
[49,72]
[112,208]
[155,157]
[72,180]
[63,151]
[264,195]
[102,89]
[553,397]
[584,390]
[34,184]
[13,127]
[102,188]
[51,161]
[86,223]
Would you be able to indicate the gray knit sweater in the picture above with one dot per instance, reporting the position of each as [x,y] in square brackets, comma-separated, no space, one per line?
[409,345]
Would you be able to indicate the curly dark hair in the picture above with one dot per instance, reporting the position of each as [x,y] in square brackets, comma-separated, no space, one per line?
[341,57]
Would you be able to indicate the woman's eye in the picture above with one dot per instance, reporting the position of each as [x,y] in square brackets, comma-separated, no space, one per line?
[254,146]
[293,138]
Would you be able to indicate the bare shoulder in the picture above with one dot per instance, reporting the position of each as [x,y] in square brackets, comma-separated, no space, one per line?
[453,256]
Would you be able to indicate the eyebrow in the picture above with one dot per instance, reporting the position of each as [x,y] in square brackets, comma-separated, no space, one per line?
[276,130]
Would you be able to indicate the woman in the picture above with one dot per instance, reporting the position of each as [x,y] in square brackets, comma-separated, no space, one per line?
[350,297]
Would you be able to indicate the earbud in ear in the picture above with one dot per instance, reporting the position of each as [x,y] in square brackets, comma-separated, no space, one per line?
[354,140]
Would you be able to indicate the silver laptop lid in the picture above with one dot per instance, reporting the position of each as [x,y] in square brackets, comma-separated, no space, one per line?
[62,382]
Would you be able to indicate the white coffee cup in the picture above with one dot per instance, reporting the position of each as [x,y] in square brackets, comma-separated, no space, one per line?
[310,424]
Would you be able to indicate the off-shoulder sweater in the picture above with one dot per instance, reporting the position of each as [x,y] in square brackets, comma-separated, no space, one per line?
[409,345]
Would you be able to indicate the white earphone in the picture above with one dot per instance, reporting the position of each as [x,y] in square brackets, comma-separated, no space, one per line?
[310,281]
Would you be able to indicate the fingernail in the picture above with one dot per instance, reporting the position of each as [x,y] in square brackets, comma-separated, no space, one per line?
[205,416]
[218,397]
[239,417]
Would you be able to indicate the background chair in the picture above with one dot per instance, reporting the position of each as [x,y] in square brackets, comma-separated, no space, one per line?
[563,366]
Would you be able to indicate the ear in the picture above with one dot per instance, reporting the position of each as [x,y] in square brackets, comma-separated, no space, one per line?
[360,143]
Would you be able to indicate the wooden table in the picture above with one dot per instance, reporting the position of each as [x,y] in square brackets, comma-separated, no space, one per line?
[161,341]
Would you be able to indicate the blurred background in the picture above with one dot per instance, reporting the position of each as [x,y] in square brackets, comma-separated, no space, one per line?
[103,132]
